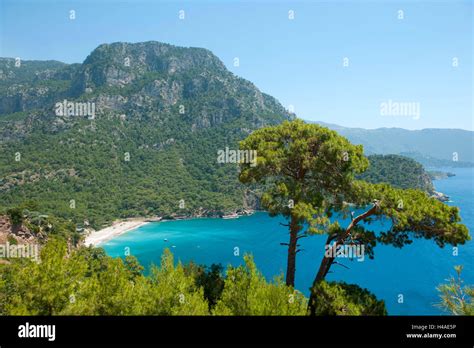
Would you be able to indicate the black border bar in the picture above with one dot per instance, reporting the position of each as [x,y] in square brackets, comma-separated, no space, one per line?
[243,330]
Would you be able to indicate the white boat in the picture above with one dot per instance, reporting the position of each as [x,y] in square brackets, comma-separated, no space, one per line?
[230,216]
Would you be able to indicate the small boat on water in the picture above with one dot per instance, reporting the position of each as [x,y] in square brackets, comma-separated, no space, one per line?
[230,216]
[166,239]
[154,219]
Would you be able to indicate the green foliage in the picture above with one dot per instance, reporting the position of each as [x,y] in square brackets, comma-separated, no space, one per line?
[456,298]
[173,292]
[412,213]
[306,171]
[346,299]
[43,288]
[310,165]
[42,225]
[210,278]
[88,282]
[15,215]
[133,266]
[12,240]
[118,288]
[246,292]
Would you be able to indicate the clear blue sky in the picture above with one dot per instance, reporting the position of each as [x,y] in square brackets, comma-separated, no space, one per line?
[300,61]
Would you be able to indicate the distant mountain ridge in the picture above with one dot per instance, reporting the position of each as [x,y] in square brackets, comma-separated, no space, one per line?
[431,146]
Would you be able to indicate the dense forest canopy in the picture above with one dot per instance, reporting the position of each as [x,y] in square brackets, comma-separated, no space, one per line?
[398,171]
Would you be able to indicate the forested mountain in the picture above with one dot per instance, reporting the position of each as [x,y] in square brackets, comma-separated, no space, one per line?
[430,147]
[149,144]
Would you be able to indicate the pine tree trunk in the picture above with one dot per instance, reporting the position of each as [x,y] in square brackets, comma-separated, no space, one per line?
[291,263]
[323,270]
[327,262]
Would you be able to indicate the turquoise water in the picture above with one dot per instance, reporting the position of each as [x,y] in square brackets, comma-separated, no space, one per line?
[413,271]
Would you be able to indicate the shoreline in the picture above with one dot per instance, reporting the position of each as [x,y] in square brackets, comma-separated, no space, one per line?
[119,227]
[95,238]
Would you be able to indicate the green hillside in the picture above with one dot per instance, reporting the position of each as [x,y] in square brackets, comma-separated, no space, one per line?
[398,171]
[153,141]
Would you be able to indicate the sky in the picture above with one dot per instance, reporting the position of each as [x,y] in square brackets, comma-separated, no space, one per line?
[365,64]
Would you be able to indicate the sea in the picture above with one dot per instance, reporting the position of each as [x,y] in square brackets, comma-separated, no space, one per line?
[405,278]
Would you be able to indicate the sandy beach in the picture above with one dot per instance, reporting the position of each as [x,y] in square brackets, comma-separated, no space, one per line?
[119,227]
